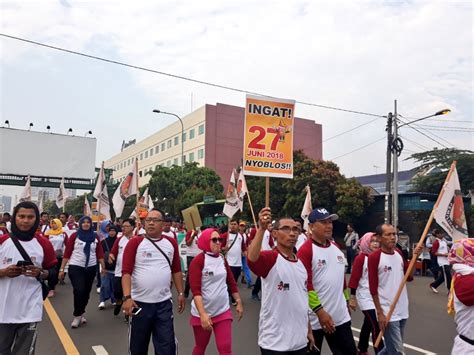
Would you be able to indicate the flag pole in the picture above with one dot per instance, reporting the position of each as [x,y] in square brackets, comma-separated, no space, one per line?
[251,208]
[138,190]
[98,200]
[267,192]
[413,260]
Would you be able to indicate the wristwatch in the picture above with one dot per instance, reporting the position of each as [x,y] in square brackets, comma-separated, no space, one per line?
[128,297]
[180,294]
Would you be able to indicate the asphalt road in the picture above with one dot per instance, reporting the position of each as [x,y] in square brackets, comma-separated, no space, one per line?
[429,330]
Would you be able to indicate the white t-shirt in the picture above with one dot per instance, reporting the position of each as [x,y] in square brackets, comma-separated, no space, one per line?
[234,254]
[266,243]
[75,252]
[193,250]
[326,265]
[171,234]
[360,281]
[57,241]
[284,312]
[386,273]
[442,246]
[117,251]
[151,272]
[21,298]
[301,239]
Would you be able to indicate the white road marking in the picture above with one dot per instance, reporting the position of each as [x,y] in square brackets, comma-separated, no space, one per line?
[99,350]
[408,346]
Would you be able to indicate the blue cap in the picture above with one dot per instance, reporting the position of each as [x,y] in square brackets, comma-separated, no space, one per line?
[320,214]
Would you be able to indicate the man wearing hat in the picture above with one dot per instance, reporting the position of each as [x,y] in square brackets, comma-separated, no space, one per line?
[328,297]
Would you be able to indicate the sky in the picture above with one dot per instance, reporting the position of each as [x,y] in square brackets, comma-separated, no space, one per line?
[357,55]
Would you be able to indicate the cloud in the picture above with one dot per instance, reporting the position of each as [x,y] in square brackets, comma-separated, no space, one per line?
[356,55]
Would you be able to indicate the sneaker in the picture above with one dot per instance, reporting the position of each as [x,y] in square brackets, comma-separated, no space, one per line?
[256,297]
[117,309]
[250,286]
[433,289]
[101,305]
[51,294]
[114,303]
[83,320]
[127,318]
[76,322]
[98,290]
[61,282]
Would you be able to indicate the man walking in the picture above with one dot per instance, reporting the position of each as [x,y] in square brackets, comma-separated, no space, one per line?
[351,238]
[328,296]
[21,301]
[150,262]
[387,268]
[235,249]
[440,249]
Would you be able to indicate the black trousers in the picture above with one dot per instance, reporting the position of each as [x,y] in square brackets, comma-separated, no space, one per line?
[187,287]
[81,280]
[434,267]
[18,338]
[155,319]
[53,274]
[445,273]
[236,270]
[341,342]
[370,325]
[118,291]
[257,287]
[293,352]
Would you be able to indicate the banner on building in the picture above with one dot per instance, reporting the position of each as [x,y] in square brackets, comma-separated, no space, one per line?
[268,137]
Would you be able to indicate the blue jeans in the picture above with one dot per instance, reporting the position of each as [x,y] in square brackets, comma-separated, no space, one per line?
[245,268]
[107,287]
[393,337]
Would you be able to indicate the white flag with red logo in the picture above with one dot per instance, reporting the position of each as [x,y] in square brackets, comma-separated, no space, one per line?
[127,188]
[232,201]
[450,211]
[87,207]
[307,208]
[62,196]
[145,204]
[102,195]
[26,193]
[241,189]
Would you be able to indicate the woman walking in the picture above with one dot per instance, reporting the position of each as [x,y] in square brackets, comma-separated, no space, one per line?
[58,239]
[209,277]
[83,250]
[360,293]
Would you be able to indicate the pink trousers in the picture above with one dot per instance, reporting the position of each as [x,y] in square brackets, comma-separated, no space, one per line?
[222,334]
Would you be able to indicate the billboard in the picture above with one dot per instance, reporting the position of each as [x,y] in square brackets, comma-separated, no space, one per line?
[46,154]
[268,137]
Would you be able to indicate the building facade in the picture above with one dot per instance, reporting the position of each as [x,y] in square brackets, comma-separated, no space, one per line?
[213,137]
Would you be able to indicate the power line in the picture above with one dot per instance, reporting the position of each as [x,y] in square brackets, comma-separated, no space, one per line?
[421,146]
[110,61]
[352,129]
[435,135]
[450,130]
[446,127]
[357,149]
[427,136]
[472,122]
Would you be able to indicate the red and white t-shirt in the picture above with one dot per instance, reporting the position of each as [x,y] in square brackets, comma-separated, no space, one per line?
[75,252]
[21,299]
[464,305]
[151,272]
[284,311]
[209,277]
[236,243]
[58,241]
[171,234]
[117,250]
[301,239]
[326,275]
[360,281]
[441,246]
[386,273]
[267,242]
[192,249]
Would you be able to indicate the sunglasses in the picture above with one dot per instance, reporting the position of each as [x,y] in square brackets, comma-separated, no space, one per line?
[215,240]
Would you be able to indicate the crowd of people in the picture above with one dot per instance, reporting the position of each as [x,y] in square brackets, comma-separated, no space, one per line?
[300,279]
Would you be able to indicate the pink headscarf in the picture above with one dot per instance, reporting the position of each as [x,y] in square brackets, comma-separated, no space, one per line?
[364,243]
[204,241]
[462,252]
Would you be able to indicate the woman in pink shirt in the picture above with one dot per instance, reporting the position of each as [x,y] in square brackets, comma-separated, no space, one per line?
[209,277]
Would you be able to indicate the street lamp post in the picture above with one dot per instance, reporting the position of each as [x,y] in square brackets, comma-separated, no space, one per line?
[182,132]
[396,146]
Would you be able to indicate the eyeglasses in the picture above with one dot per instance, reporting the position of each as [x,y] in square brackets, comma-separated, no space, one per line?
[215,240]
[155,220]
[288,229]
[126,225]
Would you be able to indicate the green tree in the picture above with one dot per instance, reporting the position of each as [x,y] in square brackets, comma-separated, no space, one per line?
[442,159]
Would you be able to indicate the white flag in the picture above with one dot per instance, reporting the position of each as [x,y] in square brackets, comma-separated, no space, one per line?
[307,208]
[26,193]
[127,188]
[62,196]
[40,202]
[101,194]
[87,207]
[232,202]
[450,211]
[241,189]
[145,203]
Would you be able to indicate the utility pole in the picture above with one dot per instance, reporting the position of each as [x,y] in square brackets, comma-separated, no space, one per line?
[396,152]
[388,174]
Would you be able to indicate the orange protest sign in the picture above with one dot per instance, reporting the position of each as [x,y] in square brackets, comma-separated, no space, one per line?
[268,137]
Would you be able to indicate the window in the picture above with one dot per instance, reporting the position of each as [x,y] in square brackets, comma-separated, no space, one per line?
[133,159]
[141,156]
[201,154]
[176,140]
[175,161]
[151,152]
[191,157]
[121,165]
[140,173]
[157,149]
[168,145]
[183,160]
[162,146]
[146,154]
[184,136]
[201,129]
[128,162]
[191,133]
[168,163]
